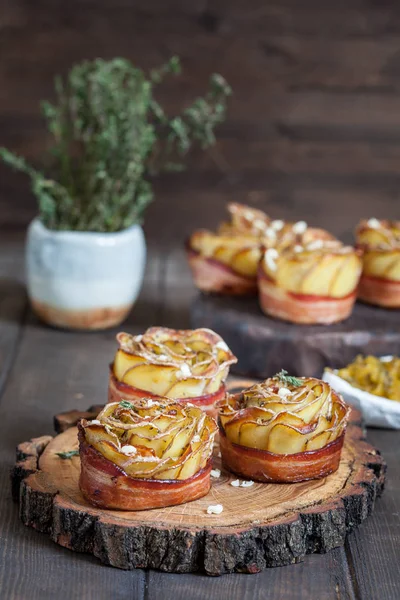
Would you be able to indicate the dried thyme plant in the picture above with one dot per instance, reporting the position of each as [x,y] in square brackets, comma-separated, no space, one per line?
[109,137]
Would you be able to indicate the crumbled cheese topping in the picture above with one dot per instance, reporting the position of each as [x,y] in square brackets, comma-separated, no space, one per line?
[248,483]
[298,248]
[315,245]
[196,438]
[128,450]
[248,215]
[259,224]
[244,484]
[300,227]
[94,422]
[277,224]
[222,345]
[284,392]
[215,509]
[150,402]
[270,257]
[219,454]
[374,223]
[162,357]
[138,338]
[270,233]
[184,370]
[216,473]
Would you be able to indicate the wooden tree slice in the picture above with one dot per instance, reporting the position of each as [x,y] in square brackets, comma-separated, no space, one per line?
[261,526]
[265,345]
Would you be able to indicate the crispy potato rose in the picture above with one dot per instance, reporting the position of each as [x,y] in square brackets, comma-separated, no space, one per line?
[153,453]
[185,365]
[224,264]
[312,282]
[380,280]
[281,431]
[227,261]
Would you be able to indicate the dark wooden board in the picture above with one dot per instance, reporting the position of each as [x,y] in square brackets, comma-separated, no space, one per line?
[261,526]
[264,345]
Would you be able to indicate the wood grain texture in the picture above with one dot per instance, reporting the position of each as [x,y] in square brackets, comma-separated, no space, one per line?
[372,551]
[261,526]
[330,580]
[13,304]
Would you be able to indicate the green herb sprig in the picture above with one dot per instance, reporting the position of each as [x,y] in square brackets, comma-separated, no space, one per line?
[109,136]
[68,454]
[126,404]
[287,379]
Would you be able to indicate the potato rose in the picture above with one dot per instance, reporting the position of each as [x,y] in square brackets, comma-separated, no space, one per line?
[187,365]
[312,282]
[226,262]
[380,279]
[153,453]
[252,222]
[284,430]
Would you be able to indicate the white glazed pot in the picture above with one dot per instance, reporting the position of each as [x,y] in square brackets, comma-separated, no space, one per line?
[84,280]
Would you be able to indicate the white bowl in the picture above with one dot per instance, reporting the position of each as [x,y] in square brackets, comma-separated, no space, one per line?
[376,411]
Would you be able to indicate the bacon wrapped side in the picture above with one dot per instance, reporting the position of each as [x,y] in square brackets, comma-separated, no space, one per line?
[223,264]
[380,279]
[226,262]
[150,454]
[311,282]
[278,432]
[186,365]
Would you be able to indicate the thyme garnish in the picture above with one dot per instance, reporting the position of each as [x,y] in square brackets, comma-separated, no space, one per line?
[126,404]
[108,136]
[68,454]
[287,379]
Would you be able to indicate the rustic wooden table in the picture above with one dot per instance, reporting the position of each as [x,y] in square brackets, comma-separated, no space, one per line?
[45,371]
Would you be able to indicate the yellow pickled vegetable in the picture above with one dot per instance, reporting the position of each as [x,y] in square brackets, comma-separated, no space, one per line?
[374,375]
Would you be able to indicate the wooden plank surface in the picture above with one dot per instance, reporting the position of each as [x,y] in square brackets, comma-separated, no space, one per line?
[323,577]
[13,303]
[374,550]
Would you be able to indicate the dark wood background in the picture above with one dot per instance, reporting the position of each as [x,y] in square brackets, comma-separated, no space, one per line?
[313,132]
[313,126]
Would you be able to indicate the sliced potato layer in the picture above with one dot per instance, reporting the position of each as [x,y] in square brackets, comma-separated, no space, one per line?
[283,417]
[176,364]
[153,439]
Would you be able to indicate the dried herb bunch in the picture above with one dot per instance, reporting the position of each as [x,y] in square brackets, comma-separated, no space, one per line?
[109,137]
